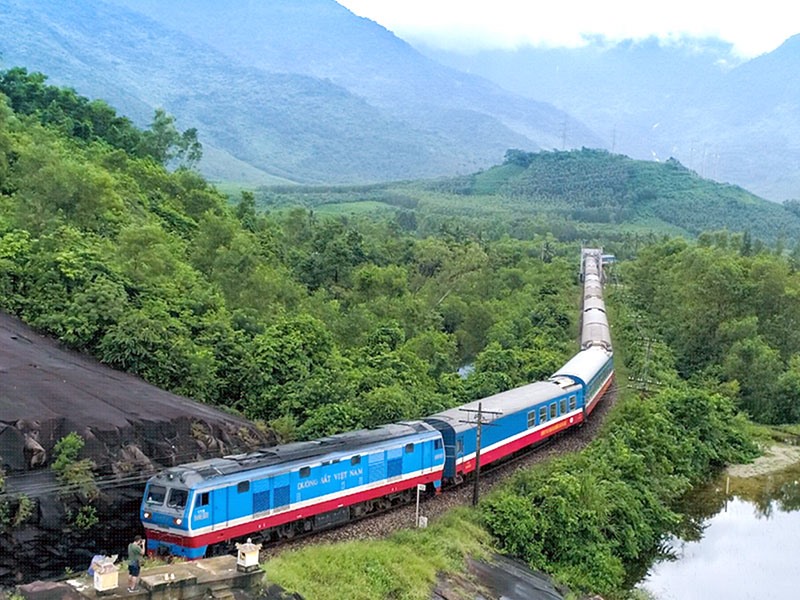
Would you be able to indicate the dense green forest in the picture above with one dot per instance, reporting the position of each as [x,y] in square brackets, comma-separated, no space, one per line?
[316,317]
[727,316]
[317,324]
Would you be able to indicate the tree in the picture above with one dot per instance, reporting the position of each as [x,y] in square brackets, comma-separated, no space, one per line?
[787,396]
[75,475]
[246,211]
[165,144]
[518,157]
[386,405]
[756,366]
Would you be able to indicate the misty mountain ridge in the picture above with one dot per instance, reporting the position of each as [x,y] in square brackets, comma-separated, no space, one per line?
[286,91]
[730,119]
[285,116]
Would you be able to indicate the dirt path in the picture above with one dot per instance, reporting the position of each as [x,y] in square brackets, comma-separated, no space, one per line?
[776,458]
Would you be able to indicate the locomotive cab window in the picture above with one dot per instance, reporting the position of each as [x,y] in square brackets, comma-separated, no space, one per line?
[356,460]
[243,486]
[202,499]
[156,494]
[177,498]
[460,446]
[437,444]
[305,471]
[409,448]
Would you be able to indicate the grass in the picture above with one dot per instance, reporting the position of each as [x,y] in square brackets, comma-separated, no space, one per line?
[403,566]
[350,208]
[766,435]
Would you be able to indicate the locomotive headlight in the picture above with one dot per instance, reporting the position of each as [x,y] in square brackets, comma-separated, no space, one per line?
[177,520]
[147,514]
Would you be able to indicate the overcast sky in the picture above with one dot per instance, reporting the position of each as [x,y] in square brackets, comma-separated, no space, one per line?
[753,27]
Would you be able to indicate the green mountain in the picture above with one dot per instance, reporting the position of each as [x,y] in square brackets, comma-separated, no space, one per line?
[695,100]
[322,39]
[594,186]
[579,194]
[280,91]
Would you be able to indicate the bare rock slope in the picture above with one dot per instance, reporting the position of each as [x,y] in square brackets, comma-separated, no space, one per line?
[130,428]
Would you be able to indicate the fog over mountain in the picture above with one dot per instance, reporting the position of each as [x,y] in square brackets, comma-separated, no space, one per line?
[693,100]
[282,90]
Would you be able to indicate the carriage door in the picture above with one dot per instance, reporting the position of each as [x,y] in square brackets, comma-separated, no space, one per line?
[459,450]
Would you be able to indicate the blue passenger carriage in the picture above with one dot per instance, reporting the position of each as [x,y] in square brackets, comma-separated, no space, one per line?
[592,370]
[518,418]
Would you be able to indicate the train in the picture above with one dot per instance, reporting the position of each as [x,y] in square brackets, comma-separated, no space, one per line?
[201,508]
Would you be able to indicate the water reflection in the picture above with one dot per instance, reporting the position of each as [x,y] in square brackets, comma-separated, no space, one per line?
[736,545]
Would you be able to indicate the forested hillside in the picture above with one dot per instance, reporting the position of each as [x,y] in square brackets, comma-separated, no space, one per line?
[696,100]
[572,195]
[281,91]
[323,324]
[724,314]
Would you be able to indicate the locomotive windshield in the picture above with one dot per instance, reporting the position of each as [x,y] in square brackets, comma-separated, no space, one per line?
[156,494]
[177,498]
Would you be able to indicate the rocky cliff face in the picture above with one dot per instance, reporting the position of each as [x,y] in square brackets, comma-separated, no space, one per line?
[131,430]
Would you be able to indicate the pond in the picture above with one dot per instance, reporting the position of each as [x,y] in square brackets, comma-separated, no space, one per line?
[742,541]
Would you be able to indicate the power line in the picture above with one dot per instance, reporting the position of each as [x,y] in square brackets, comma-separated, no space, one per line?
[104,482]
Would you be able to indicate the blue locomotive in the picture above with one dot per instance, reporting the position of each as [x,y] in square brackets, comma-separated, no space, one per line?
[293,488]
[289,489]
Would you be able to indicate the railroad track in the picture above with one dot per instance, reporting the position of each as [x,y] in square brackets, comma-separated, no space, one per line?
[379,525]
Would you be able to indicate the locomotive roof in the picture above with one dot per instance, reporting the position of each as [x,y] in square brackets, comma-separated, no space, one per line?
[508,402]
[343,443]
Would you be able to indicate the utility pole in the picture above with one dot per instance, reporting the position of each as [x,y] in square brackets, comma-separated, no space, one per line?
[642,381]
[478,433]
[476,490]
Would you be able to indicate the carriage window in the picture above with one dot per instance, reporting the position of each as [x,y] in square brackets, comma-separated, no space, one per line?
[563,406]
[573,403]
[531,419]
[542,414]
[202,499]
[409,448]
[305,471]
[553,409]
[177,498]
[356,460]
[156,494]
[243,486]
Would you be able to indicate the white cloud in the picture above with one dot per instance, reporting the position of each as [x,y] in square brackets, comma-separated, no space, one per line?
[753,28]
